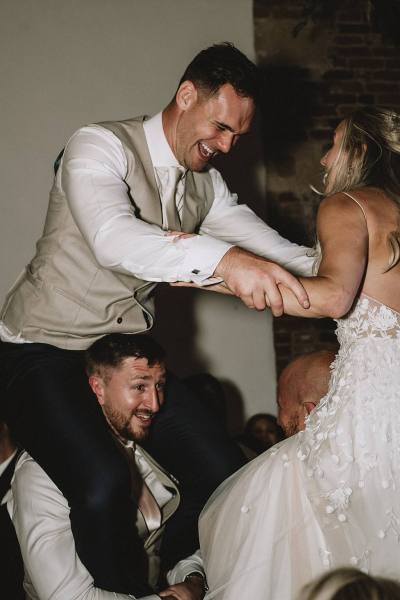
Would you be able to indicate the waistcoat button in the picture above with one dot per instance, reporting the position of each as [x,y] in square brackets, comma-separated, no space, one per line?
[119,320]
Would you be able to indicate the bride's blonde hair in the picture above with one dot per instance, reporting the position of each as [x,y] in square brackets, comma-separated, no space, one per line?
[369,155]
[350,584]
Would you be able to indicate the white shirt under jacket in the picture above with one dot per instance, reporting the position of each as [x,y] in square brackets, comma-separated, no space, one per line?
[92,173]
[40,514]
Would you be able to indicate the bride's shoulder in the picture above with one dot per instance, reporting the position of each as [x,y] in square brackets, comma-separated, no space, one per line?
[342,204]
[364,196]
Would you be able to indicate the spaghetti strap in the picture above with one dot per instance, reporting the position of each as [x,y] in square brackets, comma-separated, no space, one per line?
[357,202]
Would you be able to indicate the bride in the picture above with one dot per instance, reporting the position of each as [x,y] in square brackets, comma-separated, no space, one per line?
[330,495]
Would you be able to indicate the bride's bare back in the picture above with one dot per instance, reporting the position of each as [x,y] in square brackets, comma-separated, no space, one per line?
[382,218]
[353,230]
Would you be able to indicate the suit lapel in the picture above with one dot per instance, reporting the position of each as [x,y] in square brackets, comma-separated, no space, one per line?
[5,479]
[170,507]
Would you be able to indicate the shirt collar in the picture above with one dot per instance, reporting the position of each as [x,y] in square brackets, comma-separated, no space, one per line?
[160,151]
[4,464]
[128,443]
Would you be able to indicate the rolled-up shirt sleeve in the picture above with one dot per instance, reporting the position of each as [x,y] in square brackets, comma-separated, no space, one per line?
[238,225]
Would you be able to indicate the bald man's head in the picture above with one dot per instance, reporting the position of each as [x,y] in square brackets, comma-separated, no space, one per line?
[301,386]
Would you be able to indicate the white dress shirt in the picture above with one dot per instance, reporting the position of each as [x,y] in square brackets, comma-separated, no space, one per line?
[91,175]
[40,515]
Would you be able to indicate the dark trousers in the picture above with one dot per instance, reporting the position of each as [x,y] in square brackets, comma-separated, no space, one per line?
[52,412]
[190,441]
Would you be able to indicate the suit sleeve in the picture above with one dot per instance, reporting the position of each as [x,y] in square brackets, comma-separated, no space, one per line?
[40,514]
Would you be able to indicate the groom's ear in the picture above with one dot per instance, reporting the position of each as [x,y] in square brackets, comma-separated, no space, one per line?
[96,382]
[187,95]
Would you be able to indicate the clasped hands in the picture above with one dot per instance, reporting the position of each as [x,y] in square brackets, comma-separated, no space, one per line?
[192,589]
[253,279]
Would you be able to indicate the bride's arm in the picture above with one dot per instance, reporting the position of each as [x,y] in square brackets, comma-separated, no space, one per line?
[343,234]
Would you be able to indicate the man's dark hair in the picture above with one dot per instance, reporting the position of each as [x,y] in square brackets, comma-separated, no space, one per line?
[220,64]
[111,350]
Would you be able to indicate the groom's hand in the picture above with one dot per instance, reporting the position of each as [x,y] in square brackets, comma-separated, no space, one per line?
[191,589]
[255,280]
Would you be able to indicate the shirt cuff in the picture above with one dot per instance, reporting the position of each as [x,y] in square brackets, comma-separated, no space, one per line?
[192,564]
[201,260]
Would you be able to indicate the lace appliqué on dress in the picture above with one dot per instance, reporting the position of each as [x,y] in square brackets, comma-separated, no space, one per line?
[350,448]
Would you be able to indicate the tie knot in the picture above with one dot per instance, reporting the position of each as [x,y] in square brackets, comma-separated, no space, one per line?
[172,192]
[171,175]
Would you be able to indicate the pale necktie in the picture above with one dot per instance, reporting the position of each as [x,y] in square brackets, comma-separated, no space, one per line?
[172,191]
[147,504]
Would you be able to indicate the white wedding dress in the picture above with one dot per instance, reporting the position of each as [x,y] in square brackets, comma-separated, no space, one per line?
[330,495]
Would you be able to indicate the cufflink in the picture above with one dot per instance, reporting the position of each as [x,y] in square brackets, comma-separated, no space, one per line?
[198,575]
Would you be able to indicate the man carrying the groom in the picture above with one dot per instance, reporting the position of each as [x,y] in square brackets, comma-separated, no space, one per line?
[127,374]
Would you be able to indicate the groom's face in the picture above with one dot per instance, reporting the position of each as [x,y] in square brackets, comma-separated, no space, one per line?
[209,125]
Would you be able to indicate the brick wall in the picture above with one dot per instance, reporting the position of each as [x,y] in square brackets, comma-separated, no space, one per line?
[333,65]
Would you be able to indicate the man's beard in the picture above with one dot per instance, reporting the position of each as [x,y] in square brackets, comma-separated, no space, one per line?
[292,427]
[123,426]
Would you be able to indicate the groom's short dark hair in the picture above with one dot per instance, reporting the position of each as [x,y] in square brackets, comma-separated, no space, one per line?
[220,64]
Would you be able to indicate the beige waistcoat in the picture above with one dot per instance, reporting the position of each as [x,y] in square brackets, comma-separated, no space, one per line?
[64,297]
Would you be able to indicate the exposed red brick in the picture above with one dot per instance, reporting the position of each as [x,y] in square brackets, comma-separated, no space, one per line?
[389,100]
[352,28]
[367,63]
[338,61]
[351,16]
[342,98]
[385,51]
[387,75]
[324,110]
[366,99]
[348,40]
[393,63]
[351,51]
[382,86]
[338,74]
[347,86]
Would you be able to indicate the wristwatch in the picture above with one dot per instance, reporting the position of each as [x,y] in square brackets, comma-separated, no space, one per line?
[198,575]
